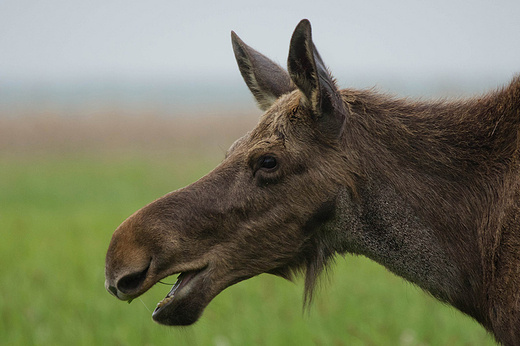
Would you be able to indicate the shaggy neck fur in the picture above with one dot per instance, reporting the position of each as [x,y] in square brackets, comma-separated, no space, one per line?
[436,183]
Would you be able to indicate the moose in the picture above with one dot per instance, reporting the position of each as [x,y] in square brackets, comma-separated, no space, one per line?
[428,189]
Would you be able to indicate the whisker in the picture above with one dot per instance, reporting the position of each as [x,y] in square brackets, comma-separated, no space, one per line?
[145,305]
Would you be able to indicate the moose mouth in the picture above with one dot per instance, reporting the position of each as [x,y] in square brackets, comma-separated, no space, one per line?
[185,302]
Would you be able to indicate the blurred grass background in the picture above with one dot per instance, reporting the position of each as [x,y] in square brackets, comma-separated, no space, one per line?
[66,183]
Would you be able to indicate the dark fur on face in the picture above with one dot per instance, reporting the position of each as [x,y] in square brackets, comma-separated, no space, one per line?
[427,189]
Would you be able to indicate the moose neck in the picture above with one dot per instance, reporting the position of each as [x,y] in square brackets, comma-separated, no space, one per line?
[383,226]
[432,177]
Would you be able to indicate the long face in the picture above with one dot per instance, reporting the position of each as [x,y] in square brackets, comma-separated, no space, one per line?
[258,212]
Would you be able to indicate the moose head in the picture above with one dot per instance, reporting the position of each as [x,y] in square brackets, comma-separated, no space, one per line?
[264,209]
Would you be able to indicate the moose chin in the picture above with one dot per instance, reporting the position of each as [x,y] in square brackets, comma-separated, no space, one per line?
[428,189]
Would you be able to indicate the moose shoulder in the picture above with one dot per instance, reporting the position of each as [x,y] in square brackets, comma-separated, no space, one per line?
[427,189]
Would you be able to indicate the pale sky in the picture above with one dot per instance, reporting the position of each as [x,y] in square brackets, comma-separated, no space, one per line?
[69,40]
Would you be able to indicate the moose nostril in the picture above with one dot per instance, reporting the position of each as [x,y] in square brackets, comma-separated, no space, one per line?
[130,282]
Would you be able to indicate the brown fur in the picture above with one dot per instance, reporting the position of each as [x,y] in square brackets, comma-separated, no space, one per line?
[427,189]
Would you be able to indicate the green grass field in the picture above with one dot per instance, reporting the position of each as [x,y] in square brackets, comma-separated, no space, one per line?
[58,212]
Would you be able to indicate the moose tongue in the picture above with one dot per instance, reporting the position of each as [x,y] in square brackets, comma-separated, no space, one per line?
[182,281]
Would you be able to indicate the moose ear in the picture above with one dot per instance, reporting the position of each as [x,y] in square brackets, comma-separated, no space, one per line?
[266,79]
[318,87]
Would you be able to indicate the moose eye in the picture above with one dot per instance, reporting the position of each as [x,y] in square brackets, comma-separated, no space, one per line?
[267,163]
